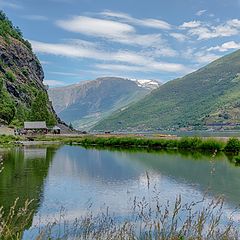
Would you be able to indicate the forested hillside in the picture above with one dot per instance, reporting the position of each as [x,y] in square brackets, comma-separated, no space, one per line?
[208,96]
[22,93]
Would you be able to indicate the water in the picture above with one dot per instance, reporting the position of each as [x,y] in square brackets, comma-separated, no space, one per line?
[73,178]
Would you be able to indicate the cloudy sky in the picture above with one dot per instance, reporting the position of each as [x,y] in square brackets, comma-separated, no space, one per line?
[155,39]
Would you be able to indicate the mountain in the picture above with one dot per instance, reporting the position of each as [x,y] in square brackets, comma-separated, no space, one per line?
[22,93]
[86,103]
[209,96]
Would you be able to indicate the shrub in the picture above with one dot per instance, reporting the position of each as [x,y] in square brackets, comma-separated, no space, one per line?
[10,76]
[237,160]
[190,143]
[25,72]
[233,145]
[7,107]
[40,110]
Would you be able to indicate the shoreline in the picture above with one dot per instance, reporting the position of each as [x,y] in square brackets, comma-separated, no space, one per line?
[208,144]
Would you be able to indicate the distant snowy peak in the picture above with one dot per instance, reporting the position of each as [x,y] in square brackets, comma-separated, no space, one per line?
[147,83]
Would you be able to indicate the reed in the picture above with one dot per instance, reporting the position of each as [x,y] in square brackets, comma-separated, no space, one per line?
[150,220]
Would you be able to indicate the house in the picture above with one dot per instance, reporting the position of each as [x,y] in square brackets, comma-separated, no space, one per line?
[35,127]
[56,130]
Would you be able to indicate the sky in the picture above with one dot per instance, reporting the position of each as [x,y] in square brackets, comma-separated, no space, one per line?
[78,40]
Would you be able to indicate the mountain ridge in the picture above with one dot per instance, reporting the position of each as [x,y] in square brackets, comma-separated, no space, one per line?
[207,96]
[85,103]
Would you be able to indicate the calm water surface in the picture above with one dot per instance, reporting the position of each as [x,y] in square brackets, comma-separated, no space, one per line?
[74,178]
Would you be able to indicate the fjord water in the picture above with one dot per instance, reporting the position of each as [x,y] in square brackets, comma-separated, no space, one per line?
[73,178]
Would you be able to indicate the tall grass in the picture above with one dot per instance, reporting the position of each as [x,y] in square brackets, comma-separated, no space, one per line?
[150,220]
[15,220]
[183,143]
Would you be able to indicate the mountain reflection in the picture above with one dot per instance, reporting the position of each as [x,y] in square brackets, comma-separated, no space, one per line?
[71,176]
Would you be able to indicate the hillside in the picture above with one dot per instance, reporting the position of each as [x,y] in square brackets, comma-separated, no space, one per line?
[22,93]
[86,103]
[209,96]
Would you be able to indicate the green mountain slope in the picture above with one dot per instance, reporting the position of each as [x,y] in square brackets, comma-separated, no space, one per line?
[208,96]
[22,93]
[86,103]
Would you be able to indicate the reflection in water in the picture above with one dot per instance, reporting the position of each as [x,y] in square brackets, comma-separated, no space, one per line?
[73,177]
[25,170]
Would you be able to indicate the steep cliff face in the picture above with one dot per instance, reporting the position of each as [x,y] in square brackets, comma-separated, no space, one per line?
[21,79]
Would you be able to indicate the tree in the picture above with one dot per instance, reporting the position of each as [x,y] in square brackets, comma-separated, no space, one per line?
[7,106]
[40,110]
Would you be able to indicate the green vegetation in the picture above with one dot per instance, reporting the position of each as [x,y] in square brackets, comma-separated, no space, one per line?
[40,110]
[233,145]
[10,76]
[6,140]
[185,143]
[93,101]
[8,30]
[21,96]
[25,72]
[18,208]
[207,96]
[7,106]
[197,144]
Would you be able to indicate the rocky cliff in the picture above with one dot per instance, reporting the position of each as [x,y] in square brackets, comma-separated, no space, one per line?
[21,79]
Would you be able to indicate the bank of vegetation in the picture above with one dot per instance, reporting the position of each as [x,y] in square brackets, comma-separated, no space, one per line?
[185,143]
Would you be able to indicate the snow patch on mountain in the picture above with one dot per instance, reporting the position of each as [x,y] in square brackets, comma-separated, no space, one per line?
[147,83]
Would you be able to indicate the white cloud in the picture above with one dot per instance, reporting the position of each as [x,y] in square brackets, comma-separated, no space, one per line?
[53,83]
[206,31]
[191,24]
[232,45]
[45,62]
[9,4]
[179,36]
[201,12]
[67,50]
[96,27]
[203,57]
[129,57]
[66,74]
[120,67]
[199,57]
[36,17]
[147,22]
[234,23]
[111,30]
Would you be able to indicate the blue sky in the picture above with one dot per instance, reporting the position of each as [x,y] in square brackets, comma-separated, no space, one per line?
[84,39]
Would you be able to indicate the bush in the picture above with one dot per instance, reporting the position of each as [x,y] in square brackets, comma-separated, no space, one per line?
[237,160]
[7,106]
[10,76]
[233,145]
[25,72]
[40,110]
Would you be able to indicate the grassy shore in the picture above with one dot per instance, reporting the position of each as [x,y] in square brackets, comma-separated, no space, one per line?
[6,140]
[231,145]
[185,143]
